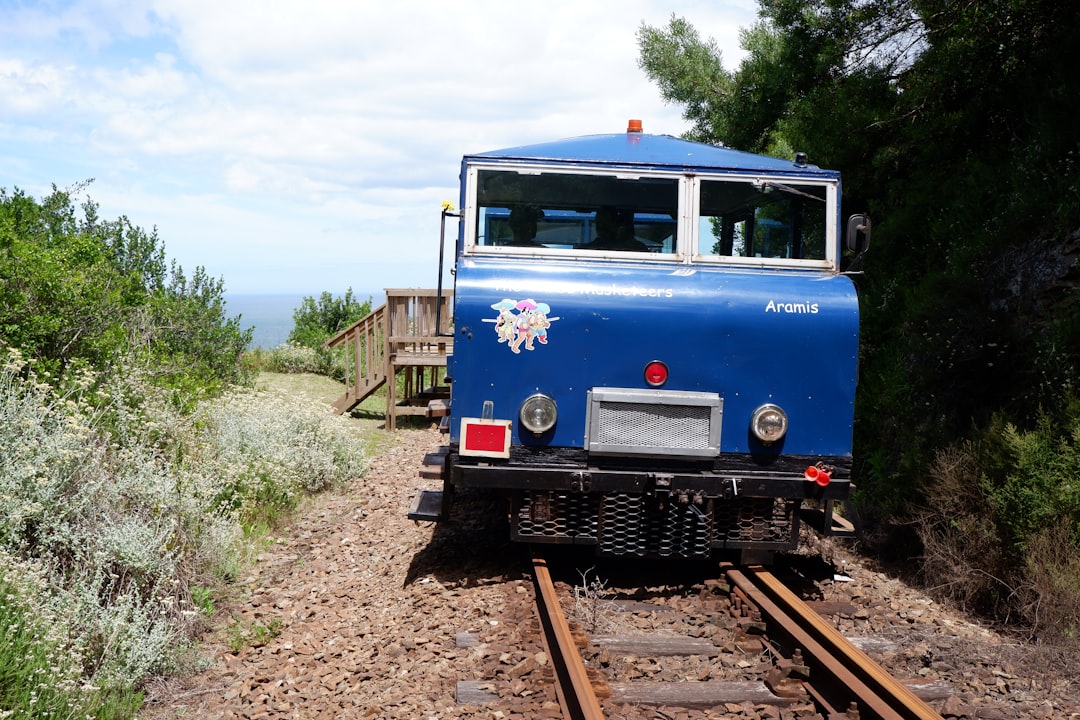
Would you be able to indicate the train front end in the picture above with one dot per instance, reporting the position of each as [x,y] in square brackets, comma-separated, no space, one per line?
[654,350]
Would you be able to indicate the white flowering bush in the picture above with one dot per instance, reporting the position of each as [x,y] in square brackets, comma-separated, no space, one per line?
[292,358]
[267,448]
[38,679]
[121,506]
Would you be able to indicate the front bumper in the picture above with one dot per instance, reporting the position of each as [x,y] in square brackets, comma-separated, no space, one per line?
[669,512]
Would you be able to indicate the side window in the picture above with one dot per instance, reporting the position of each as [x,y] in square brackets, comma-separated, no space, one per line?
[762,219]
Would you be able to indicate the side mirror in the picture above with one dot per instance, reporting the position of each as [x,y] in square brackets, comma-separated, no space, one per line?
[857,237]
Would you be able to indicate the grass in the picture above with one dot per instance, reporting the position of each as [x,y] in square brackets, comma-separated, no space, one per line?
[317,387]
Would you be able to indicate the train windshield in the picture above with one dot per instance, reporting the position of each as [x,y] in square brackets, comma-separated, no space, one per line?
[567,211]
[662,216]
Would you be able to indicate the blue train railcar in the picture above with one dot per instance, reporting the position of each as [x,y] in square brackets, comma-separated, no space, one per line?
[655,350]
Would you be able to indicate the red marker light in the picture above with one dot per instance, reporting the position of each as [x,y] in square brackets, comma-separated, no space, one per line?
[656,373]
[821,476]
[633,126]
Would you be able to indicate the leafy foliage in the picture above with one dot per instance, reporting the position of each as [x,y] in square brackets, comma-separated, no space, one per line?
[80,291]
[1039,482]
[316,320]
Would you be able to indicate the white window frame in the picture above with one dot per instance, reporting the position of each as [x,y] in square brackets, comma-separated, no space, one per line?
[687,225]
[831,245]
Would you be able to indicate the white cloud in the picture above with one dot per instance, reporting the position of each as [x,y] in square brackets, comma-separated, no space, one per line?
[267,137]
[28,90]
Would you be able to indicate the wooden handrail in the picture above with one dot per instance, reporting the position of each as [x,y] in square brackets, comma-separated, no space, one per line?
[362,325]
[398,335]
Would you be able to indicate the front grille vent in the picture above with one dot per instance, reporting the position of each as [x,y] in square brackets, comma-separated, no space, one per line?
[637,526]
[622,421]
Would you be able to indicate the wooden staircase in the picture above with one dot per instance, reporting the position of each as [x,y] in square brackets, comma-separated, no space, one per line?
[365,346]
[398,341]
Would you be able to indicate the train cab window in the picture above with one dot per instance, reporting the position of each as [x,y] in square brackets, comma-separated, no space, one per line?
[761,219]
[576,212]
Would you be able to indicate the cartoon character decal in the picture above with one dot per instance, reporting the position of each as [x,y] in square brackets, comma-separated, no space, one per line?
[527,326]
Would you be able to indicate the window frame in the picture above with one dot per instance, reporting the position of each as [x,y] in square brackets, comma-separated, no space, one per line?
[688,239]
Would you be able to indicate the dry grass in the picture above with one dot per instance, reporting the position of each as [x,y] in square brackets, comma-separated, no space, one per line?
[369,417]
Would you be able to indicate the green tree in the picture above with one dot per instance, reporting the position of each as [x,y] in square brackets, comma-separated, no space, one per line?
[77,290]
[315,321]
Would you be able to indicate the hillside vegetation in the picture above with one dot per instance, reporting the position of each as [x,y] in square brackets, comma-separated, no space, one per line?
[954,125]
[137,464]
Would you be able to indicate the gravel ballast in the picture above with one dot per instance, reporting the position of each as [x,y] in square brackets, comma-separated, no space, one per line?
[356,612]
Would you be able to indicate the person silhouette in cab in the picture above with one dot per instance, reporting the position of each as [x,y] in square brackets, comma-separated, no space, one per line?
[615,231]
[523,224]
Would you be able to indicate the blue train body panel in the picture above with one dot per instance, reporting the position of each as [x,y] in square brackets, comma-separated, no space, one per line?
[753,338]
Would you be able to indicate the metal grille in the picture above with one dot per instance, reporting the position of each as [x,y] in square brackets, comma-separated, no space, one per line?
[653,426]
[635,422]
[637,526]
[757,520]
[552,515]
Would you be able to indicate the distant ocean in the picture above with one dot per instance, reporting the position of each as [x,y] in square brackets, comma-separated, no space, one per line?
[272,314]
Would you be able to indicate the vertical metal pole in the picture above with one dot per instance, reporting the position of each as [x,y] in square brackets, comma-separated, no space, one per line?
[442,253]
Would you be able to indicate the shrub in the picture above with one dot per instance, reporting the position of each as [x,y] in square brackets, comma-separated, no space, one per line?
[292,358]
[37,678]
[316,320]
[131,509]
[1051,598]
[266,450]
[1038,485]
[963,556]
[78,290]
[1000,526]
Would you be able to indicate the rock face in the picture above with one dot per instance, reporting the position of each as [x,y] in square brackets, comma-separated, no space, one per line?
[356,612]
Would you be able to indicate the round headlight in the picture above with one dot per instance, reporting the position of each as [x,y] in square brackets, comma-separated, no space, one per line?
[538,414]
[769,423]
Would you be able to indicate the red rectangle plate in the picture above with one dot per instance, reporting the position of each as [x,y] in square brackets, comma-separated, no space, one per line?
[485,438]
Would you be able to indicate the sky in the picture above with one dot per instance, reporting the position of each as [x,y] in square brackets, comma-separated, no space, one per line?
[303,146]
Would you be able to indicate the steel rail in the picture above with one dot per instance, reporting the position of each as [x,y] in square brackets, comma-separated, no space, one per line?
[575,691]
[877,694]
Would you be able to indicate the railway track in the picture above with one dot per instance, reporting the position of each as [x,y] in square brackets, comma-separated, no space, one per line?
[843,681]
[573,686]
[812,663]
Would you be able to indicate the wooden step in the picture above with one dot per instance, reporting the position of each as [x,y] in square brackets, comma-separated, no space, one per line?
[439,407]
[434,464]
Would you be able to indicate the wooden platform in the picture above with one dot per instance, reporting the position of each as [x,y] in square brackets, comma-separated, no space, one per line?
[403,345]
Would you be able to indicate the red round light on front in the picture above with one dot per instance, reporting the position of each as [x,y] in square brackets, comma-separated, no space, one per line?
[656,373]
